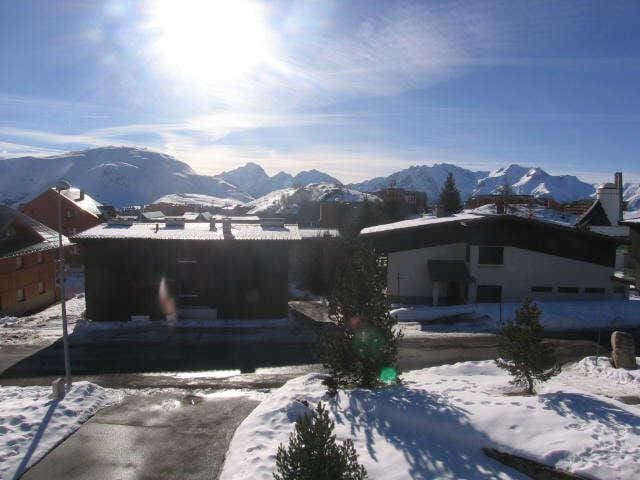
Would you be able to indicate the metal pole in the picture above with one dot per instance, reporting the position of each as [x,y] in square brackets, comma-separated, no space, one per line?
[63,294]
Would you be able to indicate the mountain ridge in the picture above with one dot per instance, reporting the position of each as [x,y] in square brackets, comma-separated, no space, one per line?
[123,176]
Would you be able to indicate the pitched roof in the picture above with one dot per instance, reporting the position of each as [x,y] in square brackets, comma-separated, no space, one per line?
[46,238]
[190,231]
[594,216]
[86,203]
[420,222]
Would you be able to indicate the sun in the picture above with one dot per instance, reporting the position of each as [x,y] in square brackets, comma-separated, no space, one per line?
[210,41]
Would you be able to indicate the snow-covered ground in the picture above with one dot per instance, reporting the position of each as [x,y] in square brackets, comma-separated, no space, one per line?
[435,423]
[485,317]
[42,327]
[31,423]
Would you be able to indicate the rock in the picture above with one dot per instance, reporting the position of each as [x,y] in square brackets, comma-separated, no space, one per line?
[623,354]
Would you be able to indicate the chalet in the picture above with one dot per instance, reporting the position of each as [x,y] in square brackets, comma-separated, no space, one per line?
[606,212]
[28,252]
[79,211]
[471,258]
[175,268]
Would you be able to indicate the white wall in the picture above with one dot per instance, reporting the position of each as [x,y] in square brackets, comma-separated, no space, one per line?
[412,266]
[523,269]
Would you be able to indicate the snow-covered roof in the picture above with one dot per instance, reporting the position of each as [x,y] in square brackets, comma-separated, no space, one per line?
[190,231]
[48,237]
[419,222]
[87,203]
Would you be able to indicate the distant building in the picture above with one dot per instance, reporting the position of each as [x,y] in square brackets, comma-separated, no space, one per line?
[495,258]
[606,212]
[28,251]
[414,200]
[176,268]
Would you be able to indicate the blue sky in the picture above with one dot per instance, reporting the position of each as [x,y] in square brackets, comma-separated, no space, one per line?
[354,88]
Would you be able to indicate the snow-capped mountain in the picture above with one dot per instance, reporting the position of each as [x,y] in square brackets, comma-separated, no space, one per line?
[521,180]
[632,195]
[252,178]
[536,182]
[198,199]
[112,175]
[425,178]
[287,201]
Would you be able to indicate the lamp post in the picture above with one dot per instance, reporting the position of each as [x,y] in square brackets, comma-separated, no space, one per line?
[62,185]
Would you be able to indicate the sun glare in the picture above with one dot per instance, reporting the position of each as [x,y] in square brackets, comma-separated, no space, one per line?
[210,40]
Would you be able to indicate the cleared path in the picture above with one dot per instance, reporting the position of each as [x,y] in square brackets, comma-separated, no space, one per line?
[151,435]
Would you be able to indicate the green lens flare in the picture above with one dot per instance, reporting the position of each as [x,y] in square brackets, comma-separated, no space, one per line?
[388,375]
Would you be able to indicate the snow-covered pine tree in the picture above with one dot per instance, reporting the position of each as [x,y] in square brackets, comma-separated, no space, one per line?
[314,454]
[521,350]
[363,349]
[450,196]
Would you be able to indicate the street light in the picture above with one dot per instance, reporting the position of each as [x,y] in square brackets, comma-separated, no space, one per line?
[63,185]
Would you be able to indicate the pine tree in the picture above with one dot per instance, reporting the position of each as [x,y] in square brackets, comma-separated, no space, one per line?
[313,453]
[521,350]
[363,349]
[450,196]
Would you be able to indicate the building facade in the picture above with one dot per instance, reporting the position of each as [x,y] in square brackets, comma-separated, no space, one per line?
[28,253]
[166,270]
[495,258]
[79,211]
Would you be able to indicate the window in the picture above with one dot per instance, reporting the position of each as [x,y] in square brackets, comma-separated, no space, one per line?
[40,287]
[594,290]
[20,295]
[18,263]
[490,255]
[542,289]
[40,258]
[568,289]
[489,294]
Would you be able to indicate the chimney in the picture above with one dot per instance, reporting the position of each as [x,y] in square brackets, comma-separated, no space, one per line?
[440,211]
[81,195]
[620,187]
[212,225]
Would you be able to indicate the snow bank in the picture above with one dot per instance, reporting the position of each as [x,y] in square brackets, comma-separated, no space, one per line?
[32,423]
[484,317]
[435,424]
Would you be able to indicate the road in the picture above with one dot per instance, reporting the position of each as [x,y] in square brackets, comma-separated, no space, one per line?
[176,420]
[157,435]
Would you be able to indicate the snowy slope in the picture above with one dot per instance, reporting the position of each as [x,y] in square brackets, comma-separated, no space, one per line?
[288,200]
[198,199]
[632,195]
[425,178]
[436,422]
[536,182]
[112,175]
[252,178]
[522,180]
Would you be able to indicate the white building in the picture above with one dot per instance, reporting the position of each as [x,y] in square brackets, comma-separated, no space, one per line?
[495,258]
[606,213]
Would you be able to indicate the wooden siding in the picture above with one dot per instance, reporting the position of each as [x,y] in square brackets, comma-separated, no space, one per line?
[242,279]
[27,277]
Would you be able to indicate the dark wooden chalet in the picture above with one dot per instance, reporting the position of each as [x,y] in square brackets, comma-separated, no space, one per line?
[152,269]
